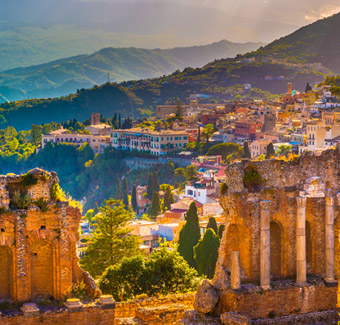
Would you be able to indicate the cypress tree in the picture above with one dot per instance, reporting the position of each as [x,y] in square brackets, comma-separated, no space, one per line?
[212,224]
[189,235]
[168,198]
[221,230]
[150,186]
[199,136]
[155,182]
[270,151]
[206,253]
[125,192]
[134,198]
[118,192]
[246,150]
[119,122]
[155,208]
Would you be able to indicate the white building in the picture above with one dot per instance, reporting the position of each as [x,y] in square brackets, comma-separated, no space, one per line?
[155,143]
[201,190]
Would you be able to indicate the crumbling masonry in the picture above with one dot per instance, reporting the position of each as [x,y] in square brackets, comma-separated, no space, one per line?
[280,252]
[38,236]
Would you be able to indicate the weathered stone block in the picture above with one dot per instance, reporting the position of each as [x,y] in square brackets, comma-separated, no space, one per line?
[207,297]
[232,318]
[30,310]
[74,305]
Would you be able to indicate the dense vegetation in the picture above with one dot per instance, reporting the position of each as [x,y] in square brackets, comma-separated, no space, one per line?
[164,271]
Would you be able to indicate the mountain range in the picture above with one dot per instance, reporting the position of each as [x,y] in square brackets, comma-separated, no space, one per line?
[307,55]
[65,76]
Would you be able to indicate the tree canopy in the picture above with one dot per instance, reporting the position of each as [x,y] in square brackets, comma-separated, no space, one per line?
[164,271]
[189,235]
[111,241]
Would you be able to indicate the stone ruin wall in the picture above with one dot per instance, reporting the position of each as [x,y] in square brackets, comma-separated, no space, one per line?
[94,314]
[243,234]
[278,173]
[282,184]
[38,244]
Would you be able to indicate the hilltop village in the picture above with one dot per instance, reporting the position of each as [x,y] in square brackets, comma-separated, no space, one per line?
[284,128]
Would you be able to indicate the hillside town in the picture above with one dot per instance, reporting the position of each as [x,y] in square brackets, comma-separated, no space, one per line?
[295,123]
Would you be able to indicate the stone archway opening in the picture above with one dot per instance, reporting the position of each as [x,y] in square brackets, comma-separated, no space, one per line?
[275,249]
[238,240]
[309,246]
[42,270]
[6,273]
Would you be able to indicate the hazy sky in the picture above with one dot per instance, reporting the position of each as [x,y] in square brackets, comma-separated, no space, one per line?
[296,12]
[168,23]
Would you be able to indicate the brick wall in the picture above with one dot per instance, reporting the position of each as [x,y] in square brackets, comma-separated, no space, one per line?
[285,300]
[94,314]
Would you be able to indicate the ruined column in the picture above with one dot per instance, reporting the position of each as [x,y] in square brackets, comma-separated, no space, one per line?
[235,271]
[265,245]
[301,265]
[329,238]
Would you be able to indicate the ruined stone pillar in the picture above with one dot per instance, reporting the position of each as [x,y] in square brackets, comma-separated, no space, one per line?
[301,265]
[329,238]
[265,245]
[235,271]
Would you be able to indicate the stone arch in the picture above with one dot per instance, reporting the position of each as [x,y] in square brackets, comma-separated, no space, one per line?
[309,246]
[238,239]
[42,260]
[6,273]
[276,235]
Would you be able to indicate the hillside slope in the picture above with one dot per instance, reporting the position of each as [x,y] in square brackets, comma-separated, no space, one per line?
[318,42]
[65,76]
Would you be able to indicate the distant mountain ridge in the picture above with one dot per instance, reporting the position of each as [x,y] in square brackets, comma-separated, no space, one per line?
[308,55]
[65,76]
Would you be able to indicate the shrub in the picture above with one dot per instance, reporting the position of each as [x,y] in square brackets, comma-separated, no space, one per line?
[29,180]
[21,201]
[79,290]
[42,204]
[164,271]
[56,192]
[252,180]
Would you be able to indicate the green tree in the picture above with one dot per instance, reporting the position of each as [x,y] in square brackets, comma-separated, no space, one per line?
[111,241]
[164,271]
[150,186]
[118,188]
[191,173]
[284,150]
[221,230]
[125,192]
[155,182]
[224,150]
[208,131]
[35,134]
[270,151]
[212,224]
[206,253]
[179,108]
[155,208]
[189,235]
[246,150]
[134,198]
[89,215]
[308,87]
[168,198]
[198,136]
[180,173]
